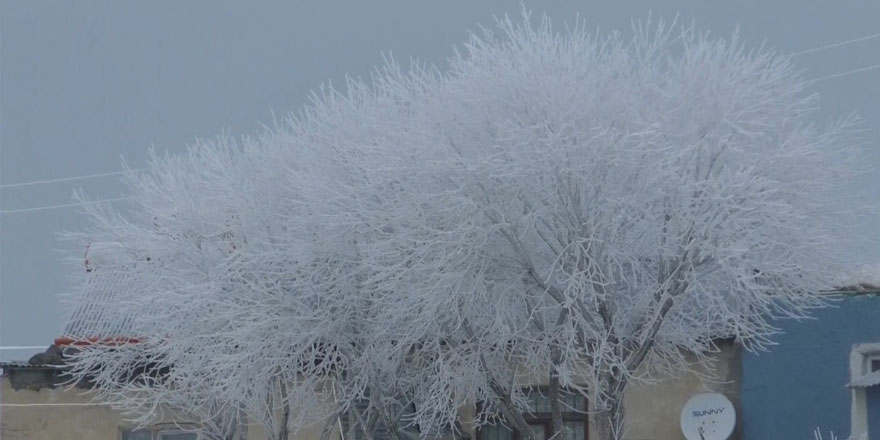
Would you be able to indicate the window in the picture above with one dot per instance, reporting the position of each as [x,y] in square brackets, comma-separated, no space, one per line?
[177,436]
[398,409]
[574,417]
[158,434]
[353,430]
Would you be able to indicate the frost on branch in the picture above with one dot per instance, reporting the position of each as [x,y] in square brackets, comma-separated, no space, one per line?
[590,209]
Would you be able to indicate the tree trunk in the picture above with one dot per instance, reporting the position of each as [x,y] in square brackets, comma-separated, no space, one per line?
[511,414]
[610,422]
[516,420]
[390,422]
[555,406]
[284,430]
[328,427]
[239,430]
[366,428]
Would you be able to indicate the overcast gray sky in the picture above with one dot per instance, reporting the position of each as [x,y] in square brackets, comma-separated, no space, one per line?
[84,84]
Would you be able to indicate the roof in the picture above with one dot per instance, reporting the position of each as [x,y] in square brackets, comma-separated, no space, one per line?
[859,289]
[35,376]
[865,278]
[20,365]
[851,291]
[90,320]
[866,381]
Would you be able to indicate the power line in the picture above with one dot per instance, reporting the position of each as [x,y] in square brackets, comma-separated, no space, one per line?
[66,205]
[842,43]
[23,347]
[68,179]
[114,173]
[52,404]
[850,72]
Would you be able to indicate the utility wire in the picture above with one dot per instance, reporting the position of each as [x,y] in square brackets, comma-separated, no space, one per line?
[838,44]
[52,404]
[829,46]
[114,173]
[68,179]
[66,205]
[850,72]
[22,347]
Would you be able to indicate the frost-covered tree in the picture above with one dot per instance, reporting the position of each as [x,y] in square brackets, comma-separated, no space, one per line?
[602,208]
[591,211]
[242,299]
[818,436]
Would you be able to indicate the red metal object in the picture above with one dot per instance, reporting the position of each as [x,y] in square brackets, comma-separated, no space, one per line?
[65,342]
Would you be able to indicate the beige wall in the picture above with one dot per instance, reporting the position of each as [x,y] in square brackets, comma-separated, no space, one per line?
[652,410]
[67,414]
[53,419]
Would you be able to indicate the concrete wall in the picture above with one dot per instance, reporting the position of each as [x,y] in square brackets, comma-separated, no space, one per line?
[67,414]
[57,415]
[800,384]
[652,410]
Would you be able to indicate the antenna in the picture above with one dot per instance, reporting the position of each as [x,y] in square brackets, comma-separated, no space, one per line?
[708,416]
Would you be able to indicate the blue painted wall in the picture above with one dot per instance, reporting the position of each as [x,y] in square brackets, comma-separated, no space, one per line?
[872,396]
[800,384]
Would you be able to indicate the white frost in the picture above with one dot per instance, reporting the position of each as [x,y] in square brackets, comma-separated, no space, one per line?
[864,278]
[554,203]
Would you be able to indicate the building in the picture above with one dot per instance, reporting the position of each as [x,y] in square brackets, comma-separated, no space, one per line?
[36,405]
[824,373]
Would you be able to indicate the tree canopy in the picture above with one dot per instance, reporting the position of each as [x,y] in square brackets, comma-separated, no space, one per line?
[589,209]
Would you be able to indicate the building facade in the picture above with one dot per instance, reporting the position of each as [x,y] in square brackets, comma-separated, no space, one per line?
[35,406]
[824,373]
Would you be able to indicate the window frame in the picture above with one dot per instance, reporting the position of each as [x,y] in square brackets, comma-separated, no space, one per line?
[160,434]
[546,418]
[871,360]
[346,421]
[156,433]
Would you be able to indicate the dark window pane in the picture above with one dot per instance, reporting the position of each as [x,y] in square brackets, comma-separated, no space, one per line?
[177,436]
[495,432]
[574,402]
[538,429]
[400,411]
[574,407]
[137,435]
[575,431]
[540,403]
[875,365]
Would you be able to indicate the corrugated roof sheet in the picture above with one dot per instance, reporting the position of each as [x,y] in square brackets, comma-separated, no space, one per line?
[91,318]
[866,381]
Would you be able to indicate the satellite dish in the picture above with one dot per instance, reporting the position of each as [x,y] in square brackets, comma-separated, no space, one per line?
[708,416]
